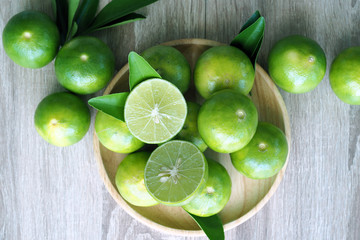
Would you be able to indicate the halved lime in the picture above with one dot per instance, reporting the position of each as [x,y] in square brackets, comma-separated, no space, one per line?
[155,111]
[175,171]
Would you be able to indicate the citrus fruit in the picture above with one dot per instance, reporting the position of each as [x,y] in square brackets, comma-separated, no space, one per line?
[265,154]
[175,171]
[170,64]
[155,111]
[62,119]
[223,67]
[190,131]
[84,65]
[31,39]
[345,76]
[115,135]
[297,64]
[227,121]
[129,180]
[216,193]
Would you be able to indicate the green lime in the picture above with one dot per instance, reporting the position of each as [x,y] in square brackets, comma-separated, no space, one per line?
[345,76]
[115,135]
[227,121]
[155,111]
[170,64]
[214,196]
[190,131]
[84,65]
[129,180]
[297,64]
[62,119]
[175,171]
[265,154]
[223,67]
[31,39]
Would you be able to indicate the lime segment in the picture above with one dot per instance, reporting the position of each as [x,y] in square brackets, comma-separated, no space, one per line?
[175,171]
[155,111]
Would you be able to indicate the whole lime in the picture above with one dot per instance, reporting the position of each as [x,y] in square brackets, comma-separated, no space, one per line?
[227,121]
[62,119]
[345,76]
[297,64]
[171,64]
[265,154]
[115,135]
[223,67]
[129,180]
[31,39]
[216,193]
[190,131]
[84,65]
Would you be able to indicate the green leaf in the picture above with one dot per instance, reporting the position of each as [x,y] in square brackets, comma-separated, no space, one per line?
[86,13]
[212,226]
[73,30]
[251,20]
[132,17]
[73,6]
[62,19]
[112,104]
[139,70]
[250,38]
[115,10]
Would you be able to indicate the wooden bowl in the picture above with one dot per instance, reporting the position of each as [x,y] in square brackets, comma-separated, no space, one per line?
[248,196]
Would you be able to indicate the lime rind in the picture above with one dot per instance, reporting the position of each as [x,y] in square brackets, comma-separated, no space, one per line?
[129,180]
[215,195]
[174,172]
[155,111]
[115,135]
[265,155]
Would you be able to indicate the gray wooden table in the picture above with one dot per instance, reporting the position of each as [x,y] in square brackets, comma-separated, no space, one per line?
[56,193]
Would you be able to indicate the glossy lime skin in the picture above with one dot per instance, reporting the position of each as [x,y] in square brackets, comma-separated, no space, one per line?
[171,64]
[62,119]
[265,154]
[129,180]
[31,39]
[223,67]
[227,121]
[216,193]
[297,64]
[115,135]
[190,131]
[84,65]
[345,76]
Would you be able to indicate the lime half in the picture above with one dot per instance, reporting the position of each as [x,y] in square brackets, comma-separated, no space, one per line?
[174,172]
[155,111]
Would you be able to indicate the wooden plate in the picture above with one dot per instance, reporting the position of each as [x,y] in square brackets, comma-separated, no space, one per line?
[247,197]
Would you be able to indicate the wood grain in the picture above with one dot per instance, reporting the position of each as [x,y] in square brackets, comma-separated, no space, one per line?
[57,193]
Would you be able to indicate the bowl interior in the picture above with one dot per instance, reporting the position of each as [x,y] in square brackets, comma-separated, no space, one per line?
[247,197]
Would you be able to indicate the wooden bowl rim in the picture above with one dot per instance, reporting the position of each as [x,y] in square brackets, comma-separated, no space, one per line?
[180,232]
